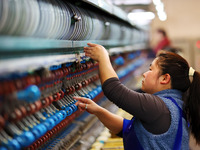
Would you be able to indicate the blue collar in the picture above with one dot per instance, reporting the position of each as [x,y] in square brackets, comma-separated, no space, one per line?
[169,92]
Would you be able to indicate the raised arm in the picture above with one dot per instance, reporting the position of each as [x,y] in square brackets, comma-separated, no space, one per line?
[113,122]
[100,54]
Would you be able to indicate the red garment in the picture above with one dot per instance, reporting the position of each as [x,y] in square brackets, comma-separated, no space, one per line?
[162,44]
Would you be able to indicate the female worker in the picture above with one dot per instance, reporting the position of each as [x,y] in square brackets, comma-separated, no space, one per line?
[159,120]
[163,40]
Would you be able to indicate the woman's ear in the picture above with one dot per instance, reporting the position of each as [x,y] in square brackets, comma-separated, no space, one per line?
[165,79]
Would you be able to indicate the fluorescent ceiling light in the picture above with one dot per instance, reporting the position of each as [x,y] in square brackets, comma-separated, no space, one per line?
[156,2]
[130,2]
[162,16]
[160,10]
[160,7]
[141,16]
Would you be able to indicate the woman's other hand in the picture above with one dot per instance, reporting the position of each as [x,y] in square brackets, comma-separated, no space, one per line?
[96,52]
[87,104]
[113,122]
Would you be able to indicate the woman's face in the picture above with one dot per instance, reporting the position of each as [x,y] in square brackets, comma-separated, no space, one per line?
[150,82]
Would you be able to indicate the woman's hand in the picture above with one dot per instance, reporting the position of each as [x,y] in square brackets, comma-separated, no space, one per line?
[100,54]
[96,52]
[110,120]
[87,104]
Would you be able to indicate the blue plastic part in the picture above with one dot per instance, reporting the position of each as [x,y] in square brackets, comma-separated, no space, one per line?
[82,62]
[83,59]
[55,118]
[20,140]
[59,117]
[87,96]
[99,89]
[36,133]
[119,61]
[30,94]
[74,107]
[92,95]
[45,114]
[42,128]
[64,114]
[95,92]
[55,67]
[3,148]
[74,101]
[49,123]
[26,138]
[131,56]
[39,130]
[68,64]
[69,111]
[63,107]
[13,145]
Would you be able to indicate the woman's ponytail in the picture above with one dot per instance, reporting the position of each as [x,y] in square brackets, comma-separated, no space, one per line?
[192,106]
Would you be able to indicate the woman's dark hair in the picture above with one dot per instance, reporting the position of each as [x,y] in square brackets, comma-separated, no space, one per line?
[178,68]
[162,31]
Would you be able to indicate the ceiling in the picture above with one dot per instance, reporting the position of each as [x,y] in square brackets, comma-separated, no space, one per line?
[141,11]
[131,5]
[130,2]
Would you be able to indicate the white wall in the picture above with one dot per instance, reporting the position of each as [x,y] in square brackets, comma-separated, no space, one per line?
[182,26]
[183,18]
